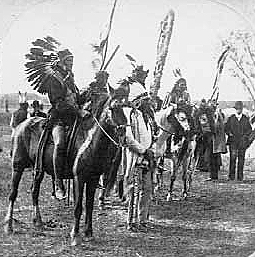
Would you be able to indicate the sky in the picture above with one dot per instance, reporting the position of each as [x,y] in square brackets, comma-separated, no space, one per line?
[198,29]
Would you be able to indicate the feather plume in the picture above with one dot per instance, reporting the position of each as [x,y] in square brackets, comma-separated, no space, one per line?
[42,63]
[130,58]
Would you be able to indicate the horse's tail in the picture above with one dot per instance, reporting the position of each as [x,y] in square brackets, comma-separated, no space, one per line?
[111,175]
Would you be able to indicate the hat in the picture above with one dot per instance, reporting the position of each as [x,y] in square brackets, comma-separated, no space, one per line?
[35,103]
[63,54]
[238,105]
[102,74]
[138,71]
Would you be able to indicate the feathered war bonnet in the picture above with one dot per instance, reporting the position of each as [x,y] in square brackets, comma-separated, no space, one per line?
[43,59]
[139,75]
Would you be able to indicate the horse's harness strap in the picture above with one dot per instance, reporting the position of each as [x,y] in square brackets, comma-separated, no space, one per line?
[111,139]
[167,131]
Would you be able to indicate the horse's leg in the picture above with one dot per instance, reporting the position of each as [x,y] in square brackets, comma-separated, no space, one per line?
[90,195]
[101,196]
[190,170]
[172,174]
[53,194]
[79,188]
[16,176]
[161,170]
[121,188]
[37,219]
[185,164]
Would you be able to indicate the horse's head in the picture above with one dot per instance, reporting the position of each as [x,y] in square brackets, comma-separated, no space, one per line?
[110,115]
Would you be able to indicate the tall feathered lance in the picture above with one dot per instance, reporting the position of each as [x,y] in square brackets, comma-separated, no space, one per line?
[166,28]
[220,65]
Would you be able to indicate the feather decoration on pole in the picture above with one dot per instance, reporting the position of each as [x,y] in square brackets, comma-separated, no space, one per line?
[101,49]
[166,27]
[220,65]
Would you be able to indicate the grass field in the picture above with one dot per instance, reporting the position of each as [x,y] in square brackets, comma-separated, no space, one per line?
[218,220]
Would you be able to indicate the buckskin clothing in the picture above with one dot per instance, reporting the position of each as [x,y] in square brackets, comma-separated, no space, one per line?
[238,132]
[138,139]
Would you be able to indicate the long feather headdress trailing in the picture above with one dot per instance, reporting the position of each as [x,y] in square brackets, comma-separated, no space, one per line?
[42,62]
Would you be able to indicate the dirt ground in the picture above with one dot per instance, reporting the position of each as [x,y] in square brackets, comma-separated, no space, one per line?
[217,220]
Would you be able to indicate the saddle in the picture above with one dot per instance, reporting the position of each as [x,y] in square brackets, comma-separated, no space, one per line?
[46,138]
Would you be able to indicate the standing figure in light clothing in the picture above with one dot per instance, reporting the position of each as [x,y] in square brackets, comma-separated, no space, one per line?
[137,155]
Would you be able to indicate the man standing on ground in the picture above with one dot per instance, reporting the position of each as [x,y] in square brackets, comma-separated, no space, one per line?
[238,129]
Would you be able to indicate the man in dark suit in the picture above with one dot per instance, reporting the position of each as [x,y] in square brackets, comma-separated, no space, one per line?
[238,129]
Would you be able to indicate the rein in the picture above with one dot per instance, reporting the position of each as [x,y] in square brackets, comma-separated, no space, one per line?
[112,140]
[164,130]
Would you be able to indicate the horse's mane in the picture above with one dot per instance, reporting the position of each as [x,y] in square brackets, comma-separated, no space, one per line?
[162,116]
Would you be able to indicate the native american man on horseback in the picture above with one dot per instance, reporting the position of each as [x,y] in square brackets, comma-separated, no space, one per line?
[63,94]
[181,144]
[64,97]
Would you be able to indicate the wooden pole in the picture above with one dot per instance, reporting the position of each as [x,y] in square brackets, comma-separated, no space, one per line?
[108,34]
[111,57]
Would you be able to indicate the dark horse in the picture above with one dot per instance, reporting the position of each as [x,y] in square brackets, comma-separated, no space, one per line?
[95,152]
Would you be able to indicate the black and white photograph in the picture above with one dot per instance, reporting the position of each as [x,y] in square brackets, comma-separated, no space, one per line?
[127,128]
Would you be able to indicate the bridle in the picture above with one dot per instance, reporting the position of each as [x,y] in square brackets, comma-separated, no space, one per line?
[119,144]
[107,135]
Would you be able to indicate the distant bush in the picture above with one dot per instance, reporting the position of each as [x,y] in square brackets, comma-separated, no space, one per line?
[5,118]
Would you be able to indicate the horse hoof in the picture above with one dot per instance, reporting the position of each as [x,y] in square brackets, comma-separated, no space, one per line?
[169,198]
[75,240]
[184,196]
[88,236]
[37,223]
[8,230]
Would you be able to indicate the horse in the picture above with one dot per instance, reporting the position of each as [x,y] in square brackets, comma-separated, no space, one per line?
[94,152]
[175,133]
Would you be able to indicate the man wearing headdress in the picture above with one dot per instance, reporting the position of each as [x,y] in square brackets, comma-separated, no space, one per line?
[179,92]
[138,156]
[63,95]
[96,91]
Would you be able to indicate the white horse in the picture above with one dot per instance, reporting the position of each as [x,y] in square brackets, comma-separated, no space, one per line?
[182,149]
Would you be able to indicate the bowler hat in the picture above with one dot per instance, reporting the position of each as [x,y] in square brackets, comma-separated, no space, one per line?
[238,105]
